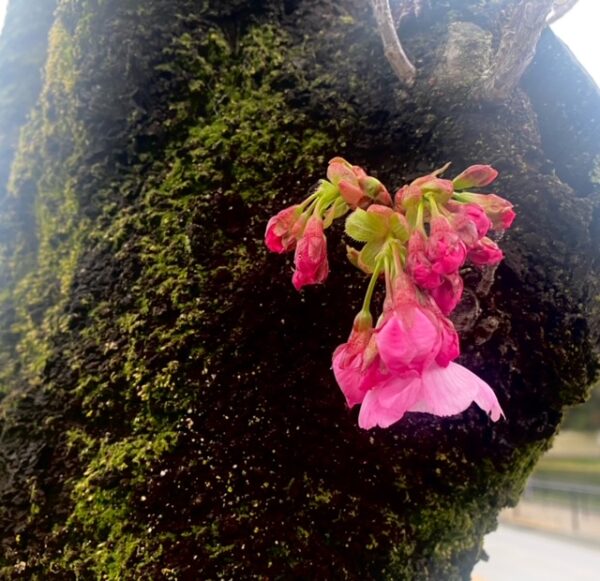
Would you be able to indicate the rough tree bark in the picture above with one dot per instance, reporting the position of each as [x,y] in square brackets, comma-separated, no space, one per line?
[170,411]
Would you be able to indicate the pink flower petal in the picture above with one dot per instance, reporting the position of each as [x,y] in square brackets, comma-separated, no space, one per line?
[450,390]
[410,339]
[385,405]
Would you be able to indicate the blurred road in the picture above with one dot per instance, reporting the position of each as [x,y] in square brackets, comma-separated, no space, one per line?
[525,555]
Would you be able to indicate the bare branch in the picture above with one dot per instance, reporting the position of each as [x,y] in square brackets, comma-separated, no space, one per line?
[560,8]
[393,50]
[519,38]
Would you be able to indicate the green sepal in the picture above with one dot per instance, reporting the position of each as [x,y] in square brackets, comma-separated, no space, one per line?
[326,188]
[369,254]
[411,215]
[352,255]
[366,226]
[337,210]
[399,227]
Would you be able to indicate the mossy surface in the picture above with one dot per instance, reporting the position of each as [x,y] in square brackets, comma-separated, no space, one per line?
[171,414]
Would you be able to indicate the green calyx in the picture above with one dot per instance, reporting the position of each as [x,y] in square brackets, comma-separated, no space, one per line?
[380,229]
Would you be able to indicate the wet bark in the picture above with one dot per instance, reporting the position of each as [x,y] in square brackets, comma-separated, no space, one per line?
[170,411]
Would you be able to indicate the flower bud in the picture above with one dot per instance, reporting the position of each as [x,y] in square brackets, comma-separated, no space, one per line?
[281,232]
[475,176]
[485,253]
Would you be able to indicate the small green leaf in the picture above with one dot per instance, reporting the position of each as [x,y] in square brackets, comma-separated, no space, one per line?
[366,226]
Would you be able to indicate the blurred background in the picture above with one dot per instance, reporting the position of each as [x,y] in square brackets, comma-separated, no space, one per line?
[554,531]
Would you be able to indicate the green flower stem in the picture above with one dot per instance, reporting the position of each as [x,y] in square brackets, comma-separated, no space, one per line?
[308,201]
[458,197]
[435,211]
[397,259]
[366,307]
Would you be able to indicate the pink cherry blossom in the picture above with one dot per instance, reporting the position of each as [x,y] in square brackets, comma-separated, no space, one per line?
[485,252]
[356,364]
[282,230]
[445,249]
[311,255]
[413,331]
[441,391]
[410,338]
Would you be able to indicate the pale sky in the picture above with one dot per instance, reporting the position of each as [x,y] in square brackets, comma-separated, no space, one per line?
[578,29]
[3,4]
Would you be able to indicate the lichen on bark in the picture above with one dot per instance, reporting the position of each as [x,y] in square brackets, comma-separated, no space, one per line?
[171,413]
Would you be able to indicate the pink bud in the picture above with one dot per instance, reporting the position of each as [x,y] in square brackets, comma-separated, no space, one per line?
[311,255]
[449,293]
[450,348]
[356,364]
[383,197]
[339,169]
[485,252]
[469,220]
[351,193]
[280,235]
[441,190]
[418,264]
[445,249]
[498,210]
[408,196]
[476,176]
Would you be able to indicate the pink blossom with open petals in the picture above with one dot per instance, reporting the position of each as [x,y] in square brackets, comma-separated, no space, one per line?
[441,391]
[449,293]
[388,403]
[445,249]
[282,230]
[410,337]
[310,259]
[485,252]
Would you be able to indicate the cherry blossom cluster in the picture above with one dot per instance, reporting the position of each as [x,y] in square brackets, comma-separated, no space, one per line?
[417,243]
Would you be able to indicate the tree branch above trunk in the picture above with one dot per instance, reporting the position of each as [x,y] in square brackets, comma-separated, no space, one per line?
[519,38]
[394,52]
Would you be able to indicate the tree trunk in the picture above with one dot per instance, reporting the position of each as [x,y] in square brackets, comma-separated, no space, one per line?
[170,412]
